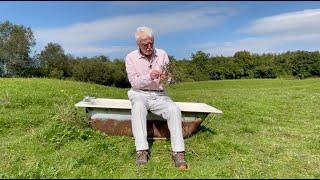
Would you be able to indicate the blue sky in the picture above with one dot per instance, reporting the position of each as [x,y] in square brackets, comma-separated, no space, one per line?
[87,28]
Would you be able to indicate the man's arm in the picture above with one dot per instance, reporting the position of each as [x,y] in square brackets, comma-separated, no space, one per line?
[136,80]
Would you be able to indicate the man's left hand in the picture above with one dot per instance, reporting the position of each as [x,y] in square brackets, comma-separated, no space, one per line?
[164,77]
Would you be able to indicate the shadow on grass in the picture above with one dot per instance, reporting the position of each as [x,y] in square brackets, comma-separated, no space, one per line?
[150,142]
[204,129]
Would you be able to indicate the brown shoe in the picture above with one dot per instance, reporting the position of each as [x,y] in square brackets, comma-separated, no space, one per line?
[142,157]
[179,161]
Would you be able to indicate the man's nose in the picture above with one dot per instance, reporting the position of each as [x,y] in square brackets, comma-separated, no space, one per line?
[149,46]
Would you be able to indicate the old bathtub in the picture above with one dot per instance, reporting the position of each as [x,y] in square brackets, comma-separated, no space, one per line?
[113,117]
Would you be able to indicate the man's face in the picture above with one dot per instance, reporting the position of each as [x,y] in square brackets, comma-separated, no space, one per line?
[146,45]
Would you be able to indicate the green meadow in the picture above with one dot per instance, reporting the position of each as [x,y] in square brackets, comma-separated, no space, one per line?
[269,129]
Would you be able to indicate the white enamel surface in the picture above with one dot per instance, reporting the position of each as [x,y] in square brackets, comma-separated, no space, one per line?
[125,104]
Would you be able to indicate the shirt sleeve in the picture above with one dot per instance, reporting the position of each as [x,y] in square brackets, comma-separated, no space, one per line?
[136,80]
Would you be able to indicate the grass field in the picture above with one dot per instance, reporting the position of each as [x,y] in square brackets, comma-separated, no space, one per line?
[268,129]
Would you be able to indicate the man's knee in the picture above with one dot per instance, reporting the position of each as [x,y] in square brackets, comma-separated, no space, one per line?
[174,109]
[139,105]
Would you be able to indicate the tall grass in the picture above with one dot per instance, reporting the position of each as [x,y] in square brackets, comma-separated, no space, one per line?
[269,129]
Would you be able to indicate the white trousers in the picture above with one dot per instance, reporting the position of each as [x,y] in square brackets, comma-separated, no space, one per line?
[160,104]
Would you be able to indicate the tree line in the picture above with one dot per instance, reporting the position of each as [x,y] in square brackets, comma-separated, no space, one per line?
[16,42]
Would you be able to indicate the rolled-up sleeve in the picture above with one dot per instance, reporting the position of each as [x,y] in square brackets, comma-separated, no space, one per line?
[136,80]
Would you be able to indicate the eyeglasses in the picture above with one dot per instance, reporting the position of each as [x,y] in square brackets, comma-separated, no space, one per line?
[150,66]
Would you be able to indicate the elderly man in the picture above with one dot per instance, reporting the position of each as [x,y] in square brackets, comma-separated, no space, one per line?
[144,67]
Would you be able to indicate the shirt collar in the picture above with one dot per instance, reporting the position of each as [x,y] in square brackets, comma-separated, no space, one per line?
[153,54]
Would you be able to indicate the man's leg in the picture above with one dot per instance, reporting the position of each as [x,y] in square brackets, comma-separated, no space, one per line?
[139,119]
[166,108]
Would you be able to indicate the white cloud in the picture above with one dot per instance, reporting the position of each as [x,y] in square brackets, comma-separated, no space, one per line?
[81,36]
[293,23]
[288,31]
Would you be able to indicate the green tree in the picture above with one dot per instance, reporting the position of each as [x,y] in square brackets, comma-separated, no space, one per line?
[200,58]
[97,70]
[199,66]
[56,61]
[16,42]
[119,74]
[244,60]
[303,64]
[264,66]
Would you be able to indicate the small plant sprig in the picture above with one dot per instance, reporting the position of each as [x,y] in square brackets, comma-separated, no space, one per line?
[168,78]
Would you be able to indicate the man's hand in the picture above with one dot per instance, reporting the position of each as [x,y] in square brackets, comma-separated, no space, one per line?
[155,74]
[163,76]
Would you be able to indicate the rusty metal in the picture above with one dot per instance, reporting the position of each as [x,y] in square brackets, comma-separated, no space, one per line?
[156,129]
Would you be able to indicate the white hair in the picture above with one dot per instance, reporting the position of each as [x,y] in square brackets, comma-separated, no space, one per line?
[143,30]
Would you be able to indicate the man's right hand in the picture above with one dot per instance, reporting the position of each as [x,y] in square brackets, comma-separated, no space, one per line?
[155,74]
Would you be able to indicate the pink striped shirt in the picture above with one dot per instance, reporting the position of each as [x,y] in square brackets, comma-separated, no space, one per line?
[139,68]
